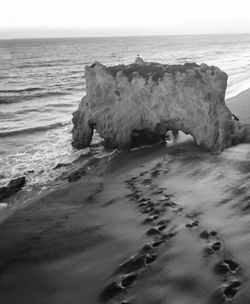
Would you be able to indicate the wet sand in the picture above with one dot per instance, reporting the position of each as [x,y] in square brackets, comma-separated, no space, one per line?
[168,224]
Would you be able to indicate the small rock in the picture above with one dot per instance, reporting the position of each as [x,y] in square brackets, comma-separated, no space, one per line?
[13,187]
[74,176]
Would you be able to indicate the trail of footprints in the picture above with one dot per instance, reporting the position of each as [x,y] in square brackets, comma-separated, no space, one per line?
[129,270]
[228,269]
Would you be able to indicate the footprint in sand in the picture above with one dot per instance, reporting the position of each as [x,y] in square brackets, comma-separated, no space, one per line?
[136,262]
[157,192]
[153,231]
[150,219]
[212,249]
[155,173]
[163,222]
[221,268]
[116,288]
[146,248]
[162,227]
[147,181]
[205,234]
[216,246]
[112,290]
[146,255]
[192,224]
[225,266]
[225,294]
[128,279]
[231,264]
[232,289]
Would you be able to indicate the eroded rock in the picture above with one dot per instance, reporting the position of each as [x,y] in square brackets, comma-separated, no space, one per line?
[138,103]
[13,187]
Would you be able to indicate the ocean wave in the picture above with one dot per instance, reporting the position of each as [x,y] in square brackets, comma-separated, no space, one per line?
[33,130]
[14,99]
[25,66]
[62,105]
[32,89]
[43,64]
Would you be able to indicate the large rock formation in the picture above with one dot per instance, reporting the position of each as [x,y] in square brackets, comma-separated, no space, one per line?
[140,102]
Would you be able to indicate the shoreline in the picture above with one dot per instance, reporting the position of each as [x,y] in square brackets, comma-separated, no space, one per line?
[66,245]
[232,103]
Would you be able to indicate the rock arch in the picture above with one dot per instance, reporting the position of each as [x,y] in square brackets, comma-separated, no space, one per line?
[150,99]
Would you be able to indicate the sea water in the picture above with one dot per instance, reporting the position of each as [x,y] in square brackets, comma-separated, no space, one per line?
[42,82]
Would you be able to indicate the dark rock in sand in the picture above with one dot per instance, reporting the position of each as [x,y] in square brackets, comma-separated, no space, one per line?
[13,187]
[74,176]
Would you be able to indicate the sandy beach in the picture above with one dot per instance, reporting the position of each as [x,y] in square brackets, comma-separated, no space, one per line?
[165,224]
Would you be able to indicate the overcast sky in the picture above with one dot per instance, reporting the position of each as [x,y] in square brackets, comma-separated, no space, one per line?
[36,18]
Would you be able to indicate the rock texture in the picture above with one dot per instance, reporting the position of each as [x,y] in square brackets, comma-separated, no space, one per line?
[13,187]
[138,103]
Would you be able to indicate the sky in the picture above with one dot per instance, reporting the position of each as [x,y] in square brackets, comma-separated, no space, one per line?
[57,18]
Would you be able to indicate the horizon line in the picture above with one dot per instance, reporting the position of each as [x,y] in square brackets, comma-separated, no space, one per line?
[124,36]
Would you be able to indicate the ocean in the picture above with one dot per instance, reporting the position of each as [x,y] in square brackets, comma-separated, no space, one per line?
[42,82]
